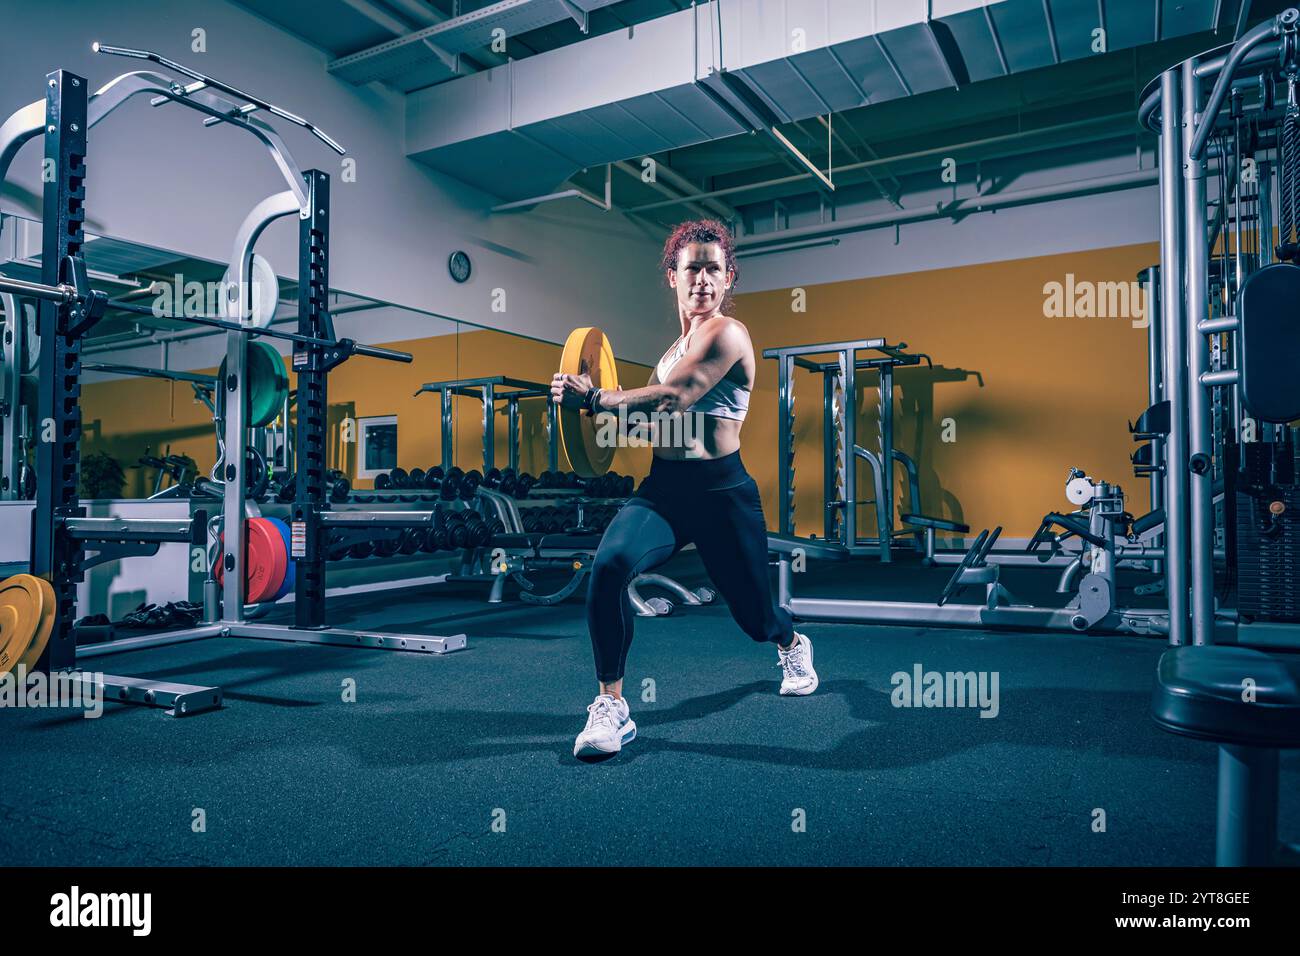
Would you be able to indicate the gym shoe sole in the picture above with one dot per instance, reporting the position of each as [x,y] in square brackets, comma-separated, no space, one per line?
[588,749]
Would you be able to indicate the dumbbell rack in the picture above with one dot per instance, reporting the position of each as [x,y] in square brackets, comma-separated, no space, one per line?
[69,309]
[489,390]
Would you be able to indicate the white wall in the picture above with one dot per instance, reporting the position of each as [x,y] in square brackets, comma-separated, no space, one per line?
[157,176]
[1077,224]
[1067,225]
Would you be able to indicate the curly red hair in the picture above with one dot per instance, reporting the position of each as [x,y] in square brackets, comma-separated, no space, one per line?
[701,230]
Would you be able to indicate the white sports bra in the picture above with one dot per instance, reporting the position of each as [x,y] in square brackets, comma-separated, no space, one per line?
[726,399]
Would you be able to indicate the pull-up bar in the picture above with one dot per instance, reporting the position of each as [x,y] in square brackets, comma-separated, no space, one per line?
[251,103]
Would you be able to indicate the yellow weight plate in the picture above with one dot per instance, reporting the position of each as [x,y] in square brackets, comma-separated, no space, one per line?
[49,613]
[587,352]
[22,603]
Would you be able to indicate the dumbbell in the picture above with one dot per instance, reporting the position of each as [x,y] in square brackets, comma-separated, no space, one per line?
[383,481]
[442,538]
[416,478]
[411,540]
[469,484]
[540,518]
[477,531]
[387,547]
[362,549]
[502,481]
[400,478]
[455,531]
[449,488]
[337,551]
[471,531]
[523,484]
[337,485]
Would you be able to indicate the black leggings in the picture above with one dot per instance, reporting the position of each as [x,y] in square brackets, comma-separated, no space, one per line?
[714,504]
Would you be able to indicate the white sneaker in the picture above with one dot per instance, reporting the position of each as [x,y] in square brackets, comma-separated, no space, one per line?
[609,727]
[800,678]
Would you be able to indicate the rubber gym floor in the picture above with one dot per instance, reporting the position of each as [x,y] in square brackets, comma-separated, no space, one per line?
[436,749]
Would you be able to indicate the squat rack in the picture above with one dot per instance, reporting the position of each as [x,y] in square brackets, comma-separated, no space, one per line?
[840,448]
[489,390]
[69,308]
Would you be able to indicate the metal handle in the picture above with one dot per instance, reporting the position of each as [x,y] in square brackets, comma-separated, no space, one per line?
[390,355]
[1264,31]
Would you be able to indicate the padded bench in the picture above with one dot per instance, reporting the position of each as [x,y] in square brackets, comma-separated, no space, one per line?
[1201,692]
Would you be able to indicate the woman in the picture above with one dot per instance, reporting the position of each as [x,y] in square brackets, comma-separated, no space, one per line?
[698,490]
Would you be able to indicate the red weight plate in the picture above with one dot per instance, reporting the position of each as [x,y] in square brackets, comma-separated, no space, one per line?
[266,558]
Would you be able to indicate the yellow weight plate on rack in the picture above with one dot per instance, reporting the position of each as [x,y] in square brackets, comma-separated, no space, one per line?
[22,607]
[49,612]
[587,352]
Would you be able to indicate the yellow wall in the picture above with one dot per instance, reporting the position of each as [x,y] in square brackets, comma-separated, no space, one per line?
[128,418]
[1055,393]
[124,417]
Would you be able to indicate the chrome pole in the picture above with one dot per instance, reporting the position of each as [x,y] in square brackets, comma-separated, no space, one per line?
[1175,353]
[1200,440]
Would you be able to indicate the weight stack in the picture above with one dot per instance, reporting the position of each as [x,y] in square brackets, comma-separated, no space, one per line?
[1268,566]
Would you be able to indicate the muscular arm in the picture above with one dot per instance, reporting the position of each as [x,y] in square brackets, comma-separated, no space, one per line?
[709,358]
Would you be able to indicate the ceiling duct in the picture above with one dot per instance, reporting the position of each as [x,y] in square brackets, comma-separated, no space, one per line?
[424,57]
[726,67]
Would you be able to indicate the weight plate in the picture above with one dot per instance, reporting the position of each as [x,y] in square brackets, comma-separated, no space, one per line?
[31,336]
[266,384]
[266,558]
[269,562]
[22,606]
[49,612]
[291,567]
[587,351]
[260,306]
